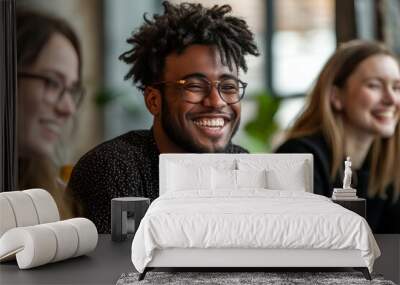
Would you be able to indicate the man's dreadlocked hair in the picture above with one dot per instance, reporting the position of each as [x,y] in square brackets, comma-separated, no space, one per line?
[179,27]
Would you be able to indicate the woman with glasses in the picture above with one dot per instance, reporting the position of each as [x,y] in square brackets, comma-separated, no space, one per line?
[354,110]
[49,94]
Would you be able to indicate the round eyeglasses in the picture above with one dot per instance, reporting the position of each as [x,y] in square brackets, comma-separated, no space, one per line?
[55,89]
[194,90]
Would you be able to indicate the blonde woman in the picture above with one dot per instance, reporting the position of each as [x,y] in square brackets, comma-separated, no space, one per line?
[354,110]
[49,93]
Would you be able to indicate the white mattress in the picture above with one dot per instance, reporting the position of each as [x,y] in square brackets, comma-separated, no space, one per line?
[251,218]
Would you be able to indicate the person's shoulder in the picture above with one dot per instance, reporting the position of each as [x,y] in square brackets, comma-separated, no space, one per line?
[111,158]
[306,144]
[129,140]
[234,148]
[119,147]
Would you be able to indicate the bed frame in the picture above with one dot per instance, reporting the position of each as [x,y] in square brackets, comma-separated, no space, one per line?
[234,259]
[250,259]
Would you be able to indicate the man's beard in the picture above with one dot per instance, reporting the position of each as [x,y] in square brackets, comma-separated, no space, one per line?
[183,140]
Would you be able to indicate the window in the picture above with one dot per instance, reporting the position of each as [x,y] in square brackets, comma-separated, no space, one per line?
[303,39]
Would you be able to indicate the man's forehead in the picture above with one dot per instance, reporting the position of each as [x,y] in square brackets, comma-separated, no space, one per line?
[203,59]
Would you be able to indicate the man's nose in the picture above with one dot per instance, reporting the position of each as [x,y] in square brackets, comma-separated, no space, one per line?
[214,99]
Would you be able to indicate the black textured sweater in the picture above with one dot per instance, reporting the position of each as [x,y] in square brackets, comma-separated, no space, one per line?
[124,166]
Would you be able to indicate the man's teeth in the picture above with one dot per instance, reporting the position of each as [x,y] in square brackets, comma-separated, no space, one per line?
[213,123]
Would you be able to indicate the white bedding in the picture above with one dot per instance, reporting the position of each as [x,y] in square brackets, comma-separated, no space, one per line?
[251,218]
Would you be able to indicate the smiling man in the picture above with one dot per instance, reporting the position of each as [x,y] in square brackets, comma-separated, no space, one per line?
[186,61]
[196,107]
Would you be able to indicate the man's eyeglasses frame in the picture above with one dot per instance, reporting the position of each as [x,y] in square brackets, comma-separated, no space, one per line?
[181,83]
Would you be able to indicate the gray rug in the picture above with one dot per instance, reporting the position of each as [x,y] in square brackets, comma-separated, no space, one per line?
[229,278]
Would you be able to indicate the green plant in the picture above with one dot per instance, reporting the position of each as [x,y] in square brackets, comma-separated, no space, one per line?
[106,96]
[263,126]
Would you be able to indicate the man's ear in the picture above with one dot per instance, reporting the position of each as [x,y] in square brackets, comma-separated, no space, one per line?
[152,98]
[335,97]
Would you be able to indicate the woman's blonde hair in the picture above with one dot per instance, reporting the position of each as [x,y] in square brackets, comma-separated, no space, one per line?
[43,173]
[318,116]
[34,30]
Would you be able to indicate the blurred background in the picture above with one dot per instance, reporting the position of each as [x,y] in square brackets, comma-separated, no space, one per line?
[295,38]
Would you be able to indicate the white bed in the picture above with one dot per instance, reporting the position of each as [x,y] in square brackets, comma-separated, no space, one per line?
[243,210]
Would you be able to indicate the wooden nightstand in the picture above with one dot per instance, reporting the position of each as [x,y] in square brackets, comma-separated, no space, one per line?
[358,206]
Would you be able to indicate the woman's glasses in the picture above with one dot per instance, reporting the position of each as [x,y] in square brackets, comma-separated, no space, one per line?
[56,89]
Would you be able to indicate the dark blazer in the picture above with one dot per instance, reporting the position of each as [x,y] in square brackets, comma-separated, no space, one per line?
[383,215]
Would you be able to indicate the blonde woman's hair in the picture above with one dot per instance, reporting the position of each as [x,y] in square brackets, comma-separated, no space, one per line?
[41,172]
[319,116]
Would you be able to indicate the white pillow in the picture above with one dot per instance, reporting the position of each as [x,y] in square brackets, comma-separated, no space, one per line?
[183,178]
[281,174]
[282,180]
[224,179]
[251,178]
